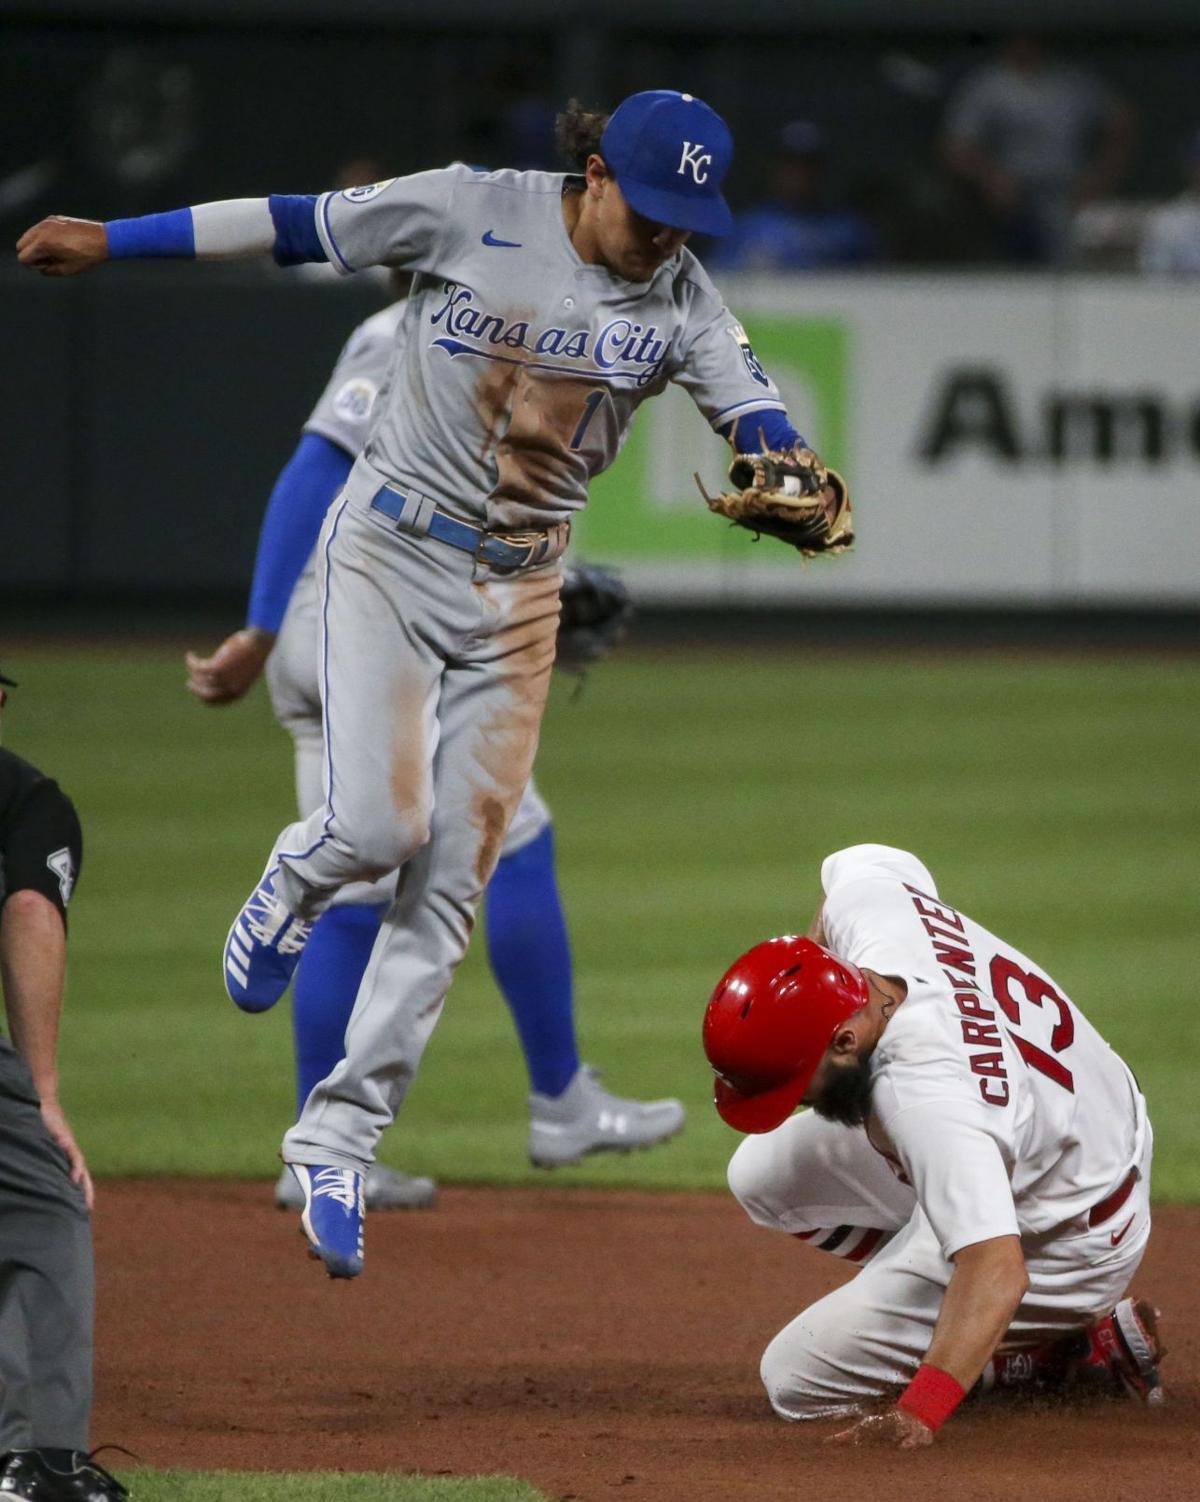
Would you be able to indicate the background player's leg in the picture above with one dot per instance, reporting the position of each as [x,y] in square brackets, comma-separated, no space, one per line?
[530,956]
[570,1113]
[327,983]
[489,715]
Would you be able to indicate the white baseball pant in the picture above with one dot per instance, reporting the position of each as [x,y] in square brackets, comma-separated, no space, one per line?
[863,1342]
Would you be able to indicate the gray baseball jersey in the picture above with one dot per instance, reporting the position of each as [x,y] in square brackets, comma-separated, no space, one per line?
[344,411]
[522,364]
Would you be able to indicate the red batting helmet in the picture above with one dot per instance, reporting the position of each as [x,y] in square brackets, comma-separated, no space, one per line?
[772,1016]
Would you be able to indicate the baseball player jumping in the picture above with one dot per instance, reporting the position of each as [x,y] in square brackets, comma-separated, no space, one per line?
[974,1146]
[570,1113]
[545,309]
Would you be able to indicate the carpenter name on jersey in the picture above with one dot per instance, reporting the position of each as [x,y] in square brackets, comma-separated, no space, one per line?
[992,1093]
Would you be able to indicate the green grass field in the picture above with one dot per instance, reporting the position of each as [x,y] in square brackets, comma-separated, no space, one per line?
[694,797]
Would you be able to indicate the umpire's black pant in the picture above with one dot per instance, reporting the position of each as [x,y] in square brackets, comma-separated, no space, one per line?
[46,1278]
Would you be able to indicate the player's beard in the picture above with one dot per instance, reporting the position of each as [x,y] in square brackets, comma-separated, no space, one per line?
[846,1094]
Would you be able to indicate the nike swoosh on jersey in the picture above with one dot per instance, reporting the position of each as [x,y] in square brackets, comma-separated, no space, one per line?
[490,239]
[1119,1236]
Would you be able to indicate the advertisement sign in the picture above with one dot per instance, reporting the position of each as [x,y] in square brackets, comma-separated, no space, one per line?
[1007,440]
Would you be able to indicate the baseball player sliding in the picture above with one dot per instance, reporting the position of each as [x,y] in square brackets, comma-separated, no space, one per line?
[545,309]
[974,1146]
[570,1112]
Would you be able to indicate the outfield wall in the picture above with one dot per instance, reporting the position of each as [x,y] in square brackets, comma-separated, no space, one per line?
[1023,442]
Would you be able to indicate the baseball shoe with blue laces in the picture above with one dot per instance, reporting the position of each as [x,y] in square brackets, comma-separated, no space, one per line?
[263,948]
[332,1217]
[386,1189]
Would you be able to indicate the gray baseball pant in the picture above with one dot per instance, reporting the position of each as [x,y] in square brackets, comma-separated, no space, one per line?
[293,681]
[47,1285]
[435,670]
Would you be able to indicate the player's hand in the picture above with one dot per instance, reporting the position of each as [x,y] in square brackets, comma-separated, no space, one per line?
[57,1125]
[896,1428]
[59,246]
[233,669]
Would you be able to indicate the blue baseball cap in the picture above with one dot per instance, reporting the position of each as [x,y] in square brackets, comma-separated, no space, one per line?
[669,153]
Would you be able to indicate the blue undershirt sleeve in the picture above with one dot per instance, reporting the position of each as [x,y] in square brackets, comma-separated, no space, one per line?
[773,425]
[169,234]
[226,230]
[291,524]
[294,216]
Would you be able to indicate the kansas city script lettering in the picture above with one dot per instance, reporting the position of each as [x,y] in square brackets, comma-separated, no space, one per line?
[621,345]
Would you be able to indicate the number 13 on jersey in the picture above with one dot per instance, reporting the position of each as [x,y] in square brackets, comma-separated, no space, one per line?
[1006,979]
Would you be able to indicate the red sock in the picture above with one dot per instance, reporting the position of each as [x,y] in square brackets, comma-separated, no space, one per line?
[1033,1368]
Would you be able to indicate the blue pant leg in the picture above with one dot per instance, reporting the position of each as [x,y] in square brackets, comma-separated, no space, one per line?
[530,956]
[326,985]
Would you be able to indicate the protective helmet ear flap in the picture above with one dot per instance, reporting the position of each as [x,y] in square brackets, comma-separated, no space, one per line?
[770,1019]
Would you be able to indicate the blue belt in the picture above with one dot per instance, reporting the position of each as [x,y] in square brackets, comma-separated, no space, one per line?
[516,550]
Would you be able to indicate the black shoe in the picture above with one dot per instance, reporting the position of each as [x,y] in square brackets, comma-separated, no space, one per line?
[25,1476]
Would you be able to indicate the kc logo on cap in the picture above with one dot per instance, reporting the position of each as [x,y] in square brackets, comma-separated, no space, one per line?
[692,159]
[669,153]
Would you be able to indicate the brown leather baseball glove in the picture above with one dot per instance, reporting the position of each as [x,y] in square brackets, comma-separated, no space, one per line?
[789,495]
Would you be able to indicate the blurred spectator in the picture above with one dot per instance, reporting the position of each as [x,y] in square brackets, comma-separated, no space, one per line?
[139,118]
[1171,240]
[113,140]
[796,229]
[510,113]
[1037,139]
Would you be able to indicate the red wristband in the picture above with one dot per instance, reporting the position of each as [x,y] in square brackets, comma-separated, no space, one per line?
[931,1396]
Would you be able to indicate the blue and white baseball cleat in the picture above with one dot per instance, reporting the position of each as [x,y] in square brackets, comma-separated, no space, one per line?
[332,1217]
[263,948]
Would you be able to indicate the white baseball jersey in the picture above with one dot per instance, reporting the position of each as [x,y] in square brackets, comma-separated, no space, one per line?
[993,1094]
[523,365]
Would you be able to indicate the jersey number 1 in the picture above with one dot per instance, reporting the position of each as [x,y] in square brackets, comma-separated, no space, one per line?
[589,411]
[1004,976]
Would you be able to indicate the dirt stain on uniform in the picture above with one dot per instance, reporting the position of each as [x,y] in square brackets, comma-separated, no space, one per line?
[493,400]
[525,641]
[409,763]
[537,464]
[494,817]
[529,419]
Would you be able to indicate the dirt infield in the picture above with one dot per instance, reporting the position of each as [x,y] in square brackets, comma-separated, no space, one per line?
[597,1344]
